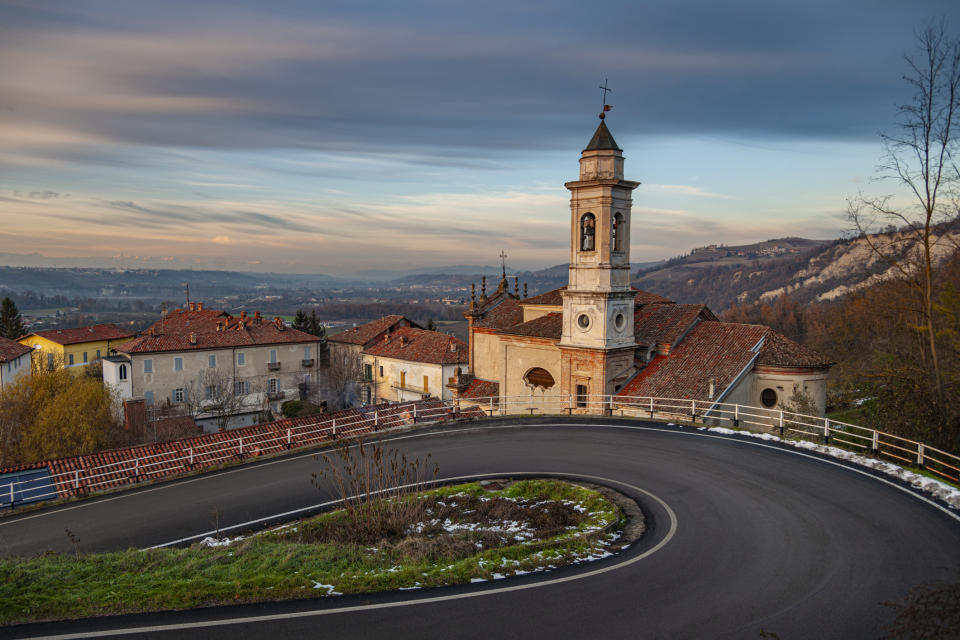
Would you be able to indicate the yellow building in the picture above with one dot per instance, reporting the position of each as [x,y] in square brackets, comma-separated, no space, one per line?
[56,348]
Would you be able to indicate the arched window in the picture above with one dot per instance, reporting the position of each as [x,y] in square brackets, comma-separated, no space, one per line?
[538,377]
[617,232]
[588,225]
[123,372]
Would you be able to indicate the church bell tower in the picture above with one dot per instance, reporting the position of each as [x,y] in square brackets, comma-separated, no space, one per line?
[597,342]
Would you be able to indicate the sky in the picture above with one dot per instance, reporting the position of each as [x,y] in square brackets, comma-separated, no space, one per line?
[334,137]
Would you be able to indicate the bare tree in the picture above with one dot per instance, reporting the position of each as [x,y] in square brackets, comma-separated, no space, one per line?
[920,157]
[216,395]
[344,375]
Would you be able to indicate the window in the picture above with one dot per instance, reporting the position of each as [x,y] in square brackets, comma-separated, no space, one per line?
[241,358]
[581,395]
[273,356]
[367,371]
[178,364]
[70,359]
[272,385]
[241,388]
[211,391]
[306,379]
[179,395]
[148,366]
[148,397]
[538,377]
[587,228]
[50,361]
[123,372]
[212,362]
[426,383]
[617,232]
[306,353]
[98,354]
[381,371]
[403,378]
[84,356]
[583,320]
[768,397]
[366,395]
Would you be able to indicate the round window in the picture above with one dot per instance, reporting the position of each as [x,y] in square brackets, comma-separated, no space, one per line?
[769,398]
[583,320]
[619,322]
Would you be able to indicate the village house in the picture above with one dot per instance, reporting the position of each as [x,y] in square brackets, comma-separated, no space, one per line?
[15,361]
[223,369]
[599,337]
[411,364]
[77,347]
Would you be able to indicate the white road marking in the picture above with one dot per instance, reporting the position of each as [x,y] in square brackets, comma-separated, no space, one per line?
[405,603]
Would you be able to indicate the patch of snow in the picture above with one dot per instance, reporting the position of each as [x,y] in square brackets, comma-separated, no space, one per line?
[219,542]
[472,580]
[935,488]
[329,587]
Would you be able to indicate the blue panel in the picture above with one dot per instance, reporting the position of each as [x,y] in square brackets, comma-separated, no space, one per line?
[28,486]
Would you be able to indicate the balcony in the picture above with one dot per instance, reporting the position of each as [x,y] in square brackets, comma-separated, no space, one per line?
[273,366]
[306,363]
[275,395]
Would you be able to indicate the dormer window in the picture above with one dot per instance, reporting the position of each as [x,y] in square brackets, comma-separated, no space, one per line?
[588,225]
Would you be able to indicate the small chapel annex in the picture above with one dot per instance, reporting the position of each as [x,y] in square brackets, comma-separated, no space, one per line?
[598,336]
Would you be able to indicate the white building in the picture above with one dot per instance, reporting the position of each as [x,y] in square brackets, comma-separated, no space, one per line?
[14,361]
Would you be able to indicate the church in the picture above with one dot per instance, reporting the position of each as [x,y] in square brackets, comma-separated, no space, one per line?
[598,336]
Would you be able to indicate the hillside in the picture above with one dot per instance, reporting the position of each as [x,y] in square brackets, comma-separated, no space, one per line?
[809,270]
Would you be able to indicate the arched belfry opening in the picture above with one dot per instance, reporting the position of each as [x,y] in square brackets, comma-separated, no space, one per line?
[618,230]
[588,228]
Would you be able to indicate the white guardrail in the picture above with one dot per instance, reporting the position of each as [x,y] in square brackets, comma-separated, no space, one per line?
[182,456]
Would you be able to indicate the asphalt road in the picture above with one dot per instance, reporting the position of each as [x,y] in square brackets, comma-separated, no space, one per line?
[745,537]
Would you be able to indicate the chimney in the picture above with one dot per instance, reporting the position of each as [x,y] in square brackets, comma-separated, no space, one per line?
[256,317]
[386,338]
[199,306]
[243,315]
[190,305]
[219,325]
[193,338]
[663,348]
[403,341]
[453,347]
[278,321]
[713,388]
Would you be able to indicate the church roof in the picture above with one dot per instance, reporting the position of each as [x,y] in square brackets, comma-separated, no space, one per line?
[499,312]
[602,139]
[780,351]
[548,326]
[712,349]
[658,322]
[550,298]
[420,345]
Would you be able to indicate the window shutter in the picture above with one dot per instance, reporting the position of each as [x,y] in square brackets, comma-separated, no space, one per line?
[173,396]
[186,394]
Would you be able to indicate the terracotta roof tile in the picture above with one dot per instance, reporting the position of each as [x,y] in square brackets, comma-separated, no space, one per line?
[84,334]
[645,297]
[11,349]
[481,389]
[420,345]
[547,326]
[718,350]
[186,330]
[656,322]
[780,351]
[371,331]
[500,312]
[551,298]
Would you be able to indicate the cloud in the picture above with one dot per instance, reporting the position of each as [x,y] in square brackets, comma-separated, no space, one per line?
[221,240]
[687,190]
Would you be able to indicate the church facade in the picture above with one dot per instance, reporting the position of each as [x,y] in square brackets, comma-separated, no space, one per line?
[598,336]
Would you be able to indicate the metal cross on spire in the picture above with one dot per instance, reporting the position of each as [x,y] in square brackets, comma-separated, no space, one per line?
[503,262]
[605,90]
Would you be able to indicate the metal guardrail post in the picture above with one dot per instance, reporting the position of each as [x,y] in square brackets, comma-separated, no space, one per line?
[414,412]
[334,427]
[781,423]
[920,452]
[651,406]
[76,479]
[289,438]
[826,431]
[241,446]
[693,410]
[11,493]
[875,444]
[736,415]
[191,456]
[376,419]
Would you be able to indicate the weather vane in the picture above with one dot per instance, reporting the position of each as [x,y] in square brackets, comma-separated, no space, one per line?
[606,89]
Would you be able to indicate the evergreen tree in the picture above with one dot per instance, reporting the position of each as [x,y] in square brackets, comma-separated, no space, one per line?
[11,324]
[430,325]
[301,322]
